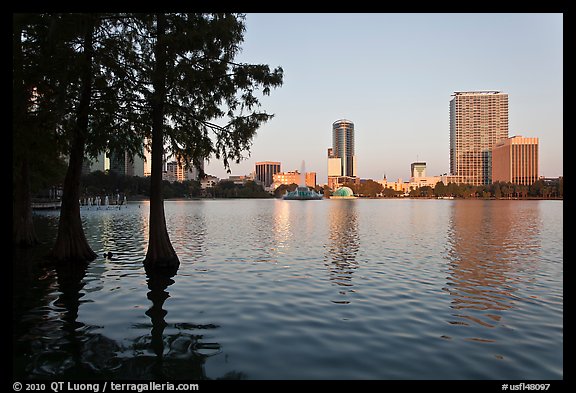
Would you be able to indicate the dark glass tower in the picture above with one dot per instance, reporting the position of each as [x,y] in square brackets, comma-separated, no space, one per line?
[343,146]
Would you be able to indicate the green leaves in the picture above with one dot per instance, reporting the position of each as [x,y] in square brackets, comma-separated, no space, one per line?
[211,106]
[211,103]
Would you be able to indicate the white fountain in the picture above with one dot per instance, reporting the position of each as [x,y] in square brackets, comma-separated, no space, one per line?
[302,193]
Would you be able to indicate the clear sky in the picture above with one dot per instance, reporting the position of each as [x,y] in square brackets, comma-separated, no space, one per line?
[393,76]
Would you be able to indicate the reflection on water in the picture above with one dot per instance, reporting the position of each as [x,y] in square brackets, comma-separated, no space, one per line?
[274,289]
[484,241]
[59,345]
[56,342]
[343,246]
[188,231]
[281,227]
[161,355]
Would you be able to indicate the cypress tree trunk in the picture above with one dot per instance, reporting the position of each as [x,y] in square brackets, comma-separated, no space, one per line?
[160,252]
[71,243]
[23,233]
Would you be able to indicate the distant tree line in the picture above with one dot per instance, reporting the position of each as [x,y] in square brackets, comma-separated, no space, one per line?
[99,183]
[228,189]
[539,189]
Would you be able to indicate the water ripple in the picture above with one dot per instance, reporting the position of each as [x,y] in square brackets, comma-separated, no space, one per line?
[267,289]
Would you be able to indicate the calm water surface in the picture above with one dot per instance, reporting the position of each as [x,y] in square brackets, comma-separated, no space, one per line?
[273,289]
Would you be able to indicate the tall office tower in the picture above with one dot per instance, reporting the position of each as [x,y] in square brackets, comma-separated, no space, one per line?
[515,160]
[341,156]
[478,120]
[343,146]
[265,171]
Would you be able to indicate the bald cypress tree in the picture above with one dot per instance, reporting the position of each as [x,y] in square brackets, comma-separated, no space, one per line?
[82,105]
[71,243]
[108,82]
[37,104]
[201,103]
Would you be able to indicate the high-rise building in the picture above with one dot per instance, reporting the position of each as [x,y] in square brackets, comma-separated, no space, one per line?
[341,156]
[343,146]
[176,171]
[265,171]
[478,120]
[515,160]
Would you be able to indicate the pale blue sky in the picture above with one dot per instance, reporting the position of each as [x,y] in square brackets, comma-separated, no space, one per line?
[393,75]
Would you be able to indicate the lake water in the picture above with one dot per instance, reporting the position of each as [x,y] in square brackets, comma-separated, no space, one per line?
[274,289]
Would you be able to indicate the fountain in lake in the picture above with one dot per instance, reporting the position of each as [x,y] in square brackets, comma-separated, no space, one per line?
[302,192]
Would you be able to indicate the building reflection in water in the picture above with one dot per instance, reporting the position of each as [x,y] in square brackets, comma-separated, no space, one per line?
[343,246]
[281,228]
[488,243]
[186,224]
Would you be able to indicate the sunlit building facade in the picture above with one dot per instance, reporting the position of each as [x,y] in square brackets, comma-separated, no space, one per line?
[515,160]
[294,177]
[175,171]
[478,121]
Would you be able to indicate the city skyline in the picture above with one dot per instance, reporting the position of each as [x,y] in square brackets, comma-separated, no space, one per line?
[393,75]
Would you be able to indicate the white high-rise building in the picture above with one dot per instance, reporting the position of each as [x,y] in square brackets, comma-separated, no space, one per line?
[478,121]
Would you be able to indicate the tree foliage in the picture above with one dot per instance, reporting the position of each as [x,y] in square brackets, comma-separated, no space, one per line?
[368,188]
[210,104]
[194,97]
[105,82]
[228,189]
[284,188]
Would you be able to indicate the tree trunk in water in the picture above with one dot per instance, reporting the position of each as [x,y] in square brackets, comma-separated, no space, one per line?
[71,243]
[23,233]
[160,252]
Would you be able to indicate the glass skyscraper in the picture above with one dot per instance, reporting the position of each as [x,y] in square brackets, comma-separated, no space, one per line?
[343,146]
[341,156]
